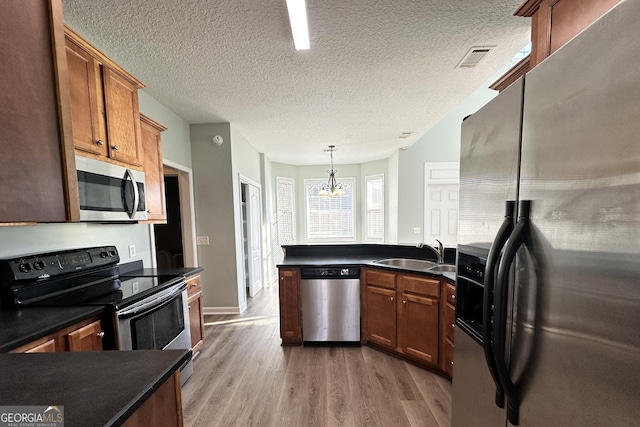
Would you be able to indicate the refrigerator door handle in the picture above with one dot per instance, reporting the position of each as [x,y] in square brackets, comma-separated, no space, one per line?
[488,301]
[517,239]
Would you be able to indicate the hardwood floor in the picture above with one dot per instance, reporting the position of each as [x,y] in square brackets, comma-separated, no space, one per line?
[243,377]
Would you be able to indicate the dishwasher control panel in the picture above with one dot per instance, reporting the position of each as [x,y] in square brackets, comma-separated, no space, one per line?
[333,272]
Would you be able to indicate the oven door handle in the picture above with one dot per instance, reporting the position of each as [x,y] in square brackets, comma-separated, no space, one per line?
[156,302]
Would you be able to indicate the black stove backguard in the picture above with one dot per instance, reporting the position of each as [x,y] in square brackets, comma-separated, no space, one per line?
[78,273]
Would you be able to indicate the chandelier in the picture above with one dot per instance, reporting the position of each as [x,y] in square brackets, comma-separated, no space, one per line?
[332,188]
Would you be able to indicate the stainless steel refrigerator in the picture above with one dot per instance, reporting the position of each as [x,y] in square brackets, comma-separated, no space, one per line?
[548,289]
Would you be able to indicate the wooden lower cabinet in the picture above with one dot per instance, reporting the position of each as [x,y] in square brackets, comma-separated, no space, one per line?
[418,320]
[86,335]
[379,307]
[448,326]
[86,338]
[162,409]
[403,313]
[290,316]
[196,318]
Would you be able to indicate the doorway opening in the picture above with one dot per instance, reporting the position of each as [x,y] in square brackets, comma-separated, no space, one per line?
[174,242]
[251,197]
[169,250]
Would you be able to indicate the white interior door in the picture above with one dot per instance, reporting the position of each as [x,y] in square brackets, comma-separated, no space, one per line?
[441,203]
[254,238]
[442,214]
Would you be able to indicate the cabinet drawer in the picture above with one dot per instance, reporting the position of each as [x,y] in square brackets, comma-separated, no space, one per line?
[194,285]
[450,294]
[448,319]
[447,358]
[419,285]
[380,278]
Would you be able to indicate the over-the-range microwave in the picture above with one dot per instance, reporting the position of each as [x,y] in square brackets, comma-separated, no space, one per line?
[110,192]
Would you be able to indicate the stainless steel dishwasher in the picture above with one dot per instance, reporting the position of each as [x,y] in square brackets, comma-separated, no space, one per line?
[330,304]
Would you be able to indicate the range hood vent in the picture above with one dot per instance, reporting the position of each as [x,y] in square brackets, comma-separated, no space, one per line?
[474,56]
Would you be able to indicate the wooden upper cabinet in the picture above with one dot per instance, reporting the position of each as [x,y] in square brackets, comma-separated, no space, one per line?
[153,170]
[104,105]
[37,163]
[553,23]
[87,109]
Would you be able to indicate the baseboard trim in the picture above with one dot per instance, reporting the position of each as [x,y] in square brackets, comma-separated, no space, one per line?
[221,310]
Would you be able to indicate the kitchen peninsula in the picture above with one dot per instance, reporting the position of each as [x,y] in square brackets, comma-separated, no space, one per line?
[408,311]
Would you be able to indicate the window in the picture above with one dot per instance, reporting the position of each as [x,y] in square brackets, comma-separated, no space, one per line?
[286,205]
[375,207]
[330,217]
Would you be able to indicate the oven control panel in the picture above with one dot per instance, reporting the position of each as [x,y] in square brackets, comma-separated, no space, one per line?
[46,265]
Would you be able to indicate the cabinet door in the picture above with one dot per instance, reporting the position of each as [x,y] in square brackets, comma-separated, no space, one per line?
[37,172]
[196,322]
[48,346]
[123,117]
[290,324]
[418,327]
[86,338]
[153,169]
[87,108]
[381,316]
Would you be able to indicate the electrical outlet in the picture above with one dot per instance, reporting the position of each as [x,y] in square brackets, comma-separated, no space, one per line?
[416,230]
[132,251]
[135,287]
[202,240]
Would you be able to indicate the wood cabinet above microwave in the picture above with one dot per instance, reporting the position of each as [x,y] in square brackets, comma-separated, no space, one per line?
[104,105]
[37,163]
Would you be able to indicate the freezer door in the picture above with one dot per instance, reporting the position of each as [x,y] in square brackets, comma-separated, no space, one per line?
[489,162]
[578,339]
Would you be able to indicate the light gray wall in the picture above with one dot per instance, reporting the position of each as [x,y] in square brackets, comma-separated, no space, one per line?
[176,140]
[392,199]
[39,238]
[214,203]
[440,144]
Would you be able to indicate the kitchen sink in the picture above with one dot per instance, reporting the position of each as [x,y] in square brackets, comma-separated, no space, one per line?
[443,268]
[417,264]
[412,264]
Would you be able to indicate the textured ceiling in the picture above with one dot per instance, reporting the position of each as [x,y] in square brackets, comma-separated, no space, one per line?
[375,68]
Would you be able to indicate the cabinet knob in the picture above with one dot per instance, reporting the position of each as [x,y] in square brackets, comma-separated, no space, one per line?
[115,148]
[189,307]
[404,301]
[391,298]
[451,363]
[100,142]
[100,334]
[453,297]
[194,284]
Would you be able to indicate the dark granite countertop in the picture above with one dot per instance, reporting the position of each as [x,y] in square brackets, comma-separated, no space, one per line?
[19,326]
[100,388]
[361,255]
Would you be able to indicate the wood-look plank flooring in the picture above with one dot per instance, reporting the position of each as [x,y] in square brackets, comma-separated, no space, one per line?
[244,377]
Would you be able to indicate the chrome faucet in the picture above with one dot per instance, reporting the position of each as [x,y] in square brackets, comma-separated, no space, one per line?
[438,252]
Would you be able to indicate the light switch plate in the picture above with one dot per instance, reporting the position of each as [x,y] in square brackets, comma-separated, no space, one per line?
[202,240]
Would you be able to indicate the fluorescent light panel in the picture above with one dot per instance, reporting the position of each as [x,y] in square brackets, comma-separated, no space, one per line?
[299,27]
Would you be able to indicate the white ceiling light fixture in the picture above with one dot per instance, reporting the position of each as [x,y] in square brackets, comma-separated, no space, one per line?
[332,188]
[299,27]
